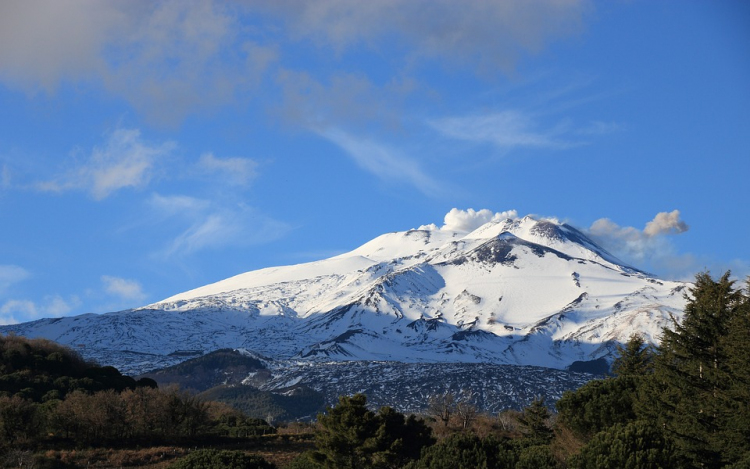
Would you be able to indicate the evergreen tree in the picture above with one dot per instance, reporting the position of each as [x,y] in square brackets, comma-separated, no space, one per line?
[534,421]
[736,433]
[598,405]
[467,451]
[350,436]
[536,457]
[344,429]
[637,445]
[634,359]
[692,372]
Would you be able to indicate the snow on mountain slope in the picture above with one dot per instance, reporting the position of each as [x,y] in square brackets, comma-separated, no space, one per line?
[517,291]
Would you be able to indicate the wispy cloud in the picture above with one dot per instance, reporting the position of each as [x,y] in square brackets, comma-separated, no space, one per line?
[211,225]
[15,311]
[125,161]
[236,171]
[384,162]
[123,288]
[506,130]
[12,274]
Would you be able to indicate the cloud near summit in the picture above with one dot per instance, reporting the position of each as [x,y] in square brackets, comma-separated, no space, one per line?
[468,220]
[647,246]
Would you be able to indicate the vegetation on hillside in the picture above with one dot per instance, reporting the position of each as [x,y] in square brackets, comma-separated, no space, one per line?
[218,376]
[683,404]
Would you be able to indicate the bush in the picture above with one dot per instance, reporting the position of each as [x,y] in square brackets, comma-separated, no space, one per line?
[224,459]
[637,445]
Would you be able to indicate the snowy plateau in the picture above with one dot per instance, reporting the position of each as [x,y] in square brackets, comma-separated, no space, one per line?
[528,292]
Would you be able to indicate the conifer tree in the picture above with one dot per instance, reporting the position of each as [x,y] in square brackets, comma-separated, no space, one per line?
[736,405]
[350,436]
[343,432]
[535,423]
[691,376]
[637,445]
[635,358]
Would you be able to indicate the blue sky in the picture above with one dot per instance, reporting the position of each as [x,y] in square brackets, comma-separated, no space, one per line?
[147,148]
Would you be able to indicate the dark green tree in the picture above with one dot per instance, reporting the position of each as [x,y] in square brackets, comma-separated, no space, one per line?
[535,425]
[351,436]
[398,439]
[598,405]
[467,451]
[344,430]
[221,459]
[634,359]
[692,373]
[637,445]
[536,457]
[736,400]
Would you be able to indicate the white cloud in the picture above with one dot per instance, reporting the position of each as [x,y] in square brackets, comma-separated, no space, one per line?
[11,274]
[643,246]
[123,288]
[506,130]
[237,171]
[14,311]
[124,161]
[178,204]
[212,225]
[469,220]
[384,162]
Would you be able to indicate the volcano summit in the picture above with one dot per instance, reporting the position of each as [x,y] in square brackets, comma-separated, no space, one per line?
[518,291]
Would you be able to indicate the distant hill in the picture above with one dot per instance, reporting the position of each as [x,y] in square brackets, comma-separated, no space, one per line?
[229,376]
[221,367]
[41,370]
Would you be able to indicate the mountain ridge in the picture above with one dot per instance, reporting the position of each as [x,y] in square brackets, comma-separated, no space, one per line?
[517,291]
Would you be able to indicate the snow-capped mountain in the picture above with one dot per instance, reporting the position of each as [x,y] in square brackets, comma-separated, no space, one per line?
[521,291]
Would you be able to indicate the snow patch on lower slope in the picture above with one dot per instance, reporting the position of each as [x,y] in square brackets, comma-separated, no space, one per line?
[408,386]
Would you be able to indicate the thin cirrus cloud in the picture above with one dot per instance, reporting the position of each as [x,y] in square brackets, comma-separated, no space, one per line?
[124,161]
[506,130]
[234,170]
[14,311]
[384,162]
[10,275]
[207,224]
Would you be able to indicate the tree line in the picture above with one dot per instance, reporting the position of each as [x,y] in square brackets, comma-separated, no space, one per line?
[48,392]
[683,404]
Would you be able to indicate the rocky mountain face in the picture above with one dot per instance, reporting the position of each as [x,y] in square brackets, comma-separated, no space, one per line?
[522,291]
